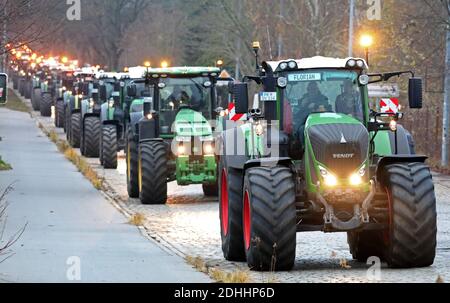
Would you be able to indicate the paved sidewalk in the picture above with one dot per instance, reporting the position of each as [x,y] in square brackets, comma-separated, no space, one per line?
[67,218]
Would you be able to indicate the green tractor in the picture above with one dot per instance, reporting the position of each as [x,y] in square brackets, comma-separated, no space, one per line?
[47,92]
[63,91]
[314,156]
[113,120]
[170,134]
[81,90]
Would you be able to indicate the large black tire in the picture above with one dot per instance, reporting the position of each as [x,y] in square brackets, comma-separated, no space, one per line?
[269,218]
[59,114]
[46,105]
[21,87]
[152,167]
[36,99]
[75,130]
[91,137]
[366,244]
[108,147]
[132,154]
[210,190]
[230,212]
[413,226]
[28,89]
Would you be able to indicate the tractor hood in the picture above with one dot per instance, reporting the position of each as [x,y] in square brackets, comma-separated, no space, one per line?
[337,141]
[190,123]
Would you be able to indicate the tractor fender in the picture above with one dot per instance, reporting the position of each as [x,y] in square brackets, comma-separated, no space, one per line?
[388,160]
[147,130]
[268,162]
[231,146]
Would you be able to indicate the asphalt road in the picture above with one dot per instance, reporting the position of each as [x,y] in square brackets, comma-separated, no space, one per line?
[73,233]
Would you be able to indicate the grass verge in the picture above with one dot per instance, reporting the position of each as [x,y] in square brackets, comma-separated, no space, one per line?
[219,275]
[76,159]
[15,103]
[4,166]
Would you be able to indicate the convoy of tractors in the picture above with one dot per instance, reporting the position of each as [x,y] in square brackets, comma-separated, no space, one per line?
[298,146]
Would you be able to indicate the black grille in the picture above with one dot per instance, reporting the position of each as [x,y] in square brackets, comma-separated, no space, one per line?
[341,147]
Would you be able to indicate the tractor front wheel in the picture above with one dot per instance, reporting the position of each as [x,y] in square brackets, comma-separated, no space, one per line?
[153,172]
[109,147]
[75,130]
[46,105]
[91,137]
[413,216]
[269,219]
[366,244]
[36,99]
[132,154]
[210,190]
[59,114]
[230,209]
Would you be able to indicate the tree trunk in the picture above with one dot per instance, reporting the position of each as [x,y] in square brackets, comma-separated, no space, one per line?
[445,129]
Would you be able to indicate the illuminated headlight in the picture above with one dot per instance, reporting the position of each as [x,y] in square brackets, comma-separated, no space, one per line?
[356,179]
[181,150]
[393,125]
[329,179]
[292,65]
[208,148]
[149,116]
[64,88]
[259,129]
[111,103]
[351,63]
[283,65]
[91,103]
[282,82]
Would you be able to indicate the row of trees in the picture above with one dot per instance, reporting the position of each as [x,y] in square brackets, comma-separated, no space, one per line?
[410,34]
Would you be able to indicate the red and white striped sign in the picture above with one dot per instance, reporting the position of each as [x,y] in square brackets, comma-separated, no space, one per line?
[232,113]
[389,105]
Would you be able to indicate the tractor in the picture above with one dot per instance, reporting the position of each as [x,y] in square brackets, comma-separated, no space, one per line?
[113,120]
[170,134]
[63,90]
[314,156]
[82,89]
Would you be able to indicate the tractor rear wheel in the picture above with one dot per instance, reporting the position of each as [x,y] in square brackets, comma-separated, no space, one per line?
[230,210]
[152,167]
[210,190]
[269,218]
[59,114]
[366,244]
[36,99]
[132,154]
[46,105]
[28,89]
[91,137]
[75,130]
[109,147]
[413,216]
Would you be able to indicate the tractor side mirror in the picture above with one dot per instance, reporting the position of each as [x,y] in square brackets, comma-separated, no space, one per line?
[3,88]
[131,91]
[102,92]
[415,93]
[240,93]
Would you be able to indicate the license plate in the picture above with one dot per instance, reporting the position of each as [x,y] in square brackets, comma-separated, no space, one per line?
[267,96]
[305,77]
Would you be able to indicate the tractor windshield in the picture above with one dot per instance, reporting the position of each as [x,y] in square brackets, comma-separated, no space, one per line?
[176,94]
[315,91]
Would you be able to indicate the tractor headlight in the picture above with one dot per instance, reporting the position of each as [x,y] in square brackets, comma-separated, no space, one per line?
[282,82]
[364,79]
[283,65]
[351,63]
[356,179]
[292,65]
[149,116]
[111,103]
[208,148]
[360,63]
[181,150]
[329,179]
[91,103]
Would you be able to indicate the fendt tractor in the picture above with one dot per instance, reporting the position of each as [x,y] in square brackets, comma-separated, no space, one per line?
[82,89]
[318,158]
[113,120]
[65,82]
[171,137]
